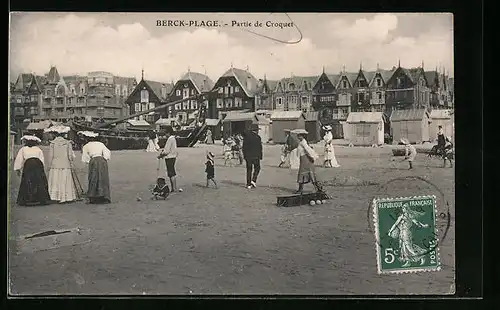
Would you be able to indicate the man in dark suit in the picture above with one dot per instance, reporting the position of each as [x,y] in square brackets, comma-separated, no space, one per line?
[252,152]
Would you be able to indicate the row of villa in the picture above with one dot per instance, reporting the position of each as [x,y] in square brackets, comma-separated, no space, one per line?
[326,98]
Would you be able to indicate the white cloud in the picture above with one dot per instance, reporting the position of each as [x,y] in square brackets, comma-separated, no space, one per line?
[77,44]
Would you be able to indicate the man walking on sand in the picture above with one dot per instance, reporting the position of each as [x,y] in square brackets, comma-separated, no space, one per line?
[169,152]
[252,152]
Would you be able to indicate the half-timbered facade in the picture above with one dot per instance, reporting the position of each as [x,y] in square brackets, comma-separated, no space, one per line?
[361,92]
[264,94]
[377,85]
[190,84]
[235,91]
[294,93]
[325,97]
[148,95]
[344,92]
[407,88]
[25,100]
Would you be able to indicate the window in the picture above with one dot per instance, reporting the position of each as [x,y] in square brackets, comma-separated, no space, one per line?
[361,97]
[100,111]
[220,103]
[305,86]
[228,103]
[379,82]
[144,95]
[305,100]
[33,111]
[221,90]
[177,106]
[60,91]
[117,90]
[238,102]
[236,89]
[125,92]
[178,92]
[185,93]
[193,104]
[291,86]
[226,90]
[151,105]
[137,107]
[169,111]
[185,105]
[193,91]
[344,84]
[33,98]
[379,95]
[279,101]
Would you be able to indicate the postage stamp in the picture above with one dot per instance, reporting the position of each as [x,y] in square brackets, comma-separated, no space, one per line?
[406,234]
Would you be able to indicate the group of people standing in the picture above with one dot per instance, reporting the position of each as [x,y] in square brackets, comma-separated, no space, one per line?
[62,185]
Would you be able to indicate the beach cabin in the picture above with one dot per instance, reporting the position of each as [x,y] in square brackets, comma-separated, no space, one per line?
[282,120]
[237,123]
[313,126]
[410,124]
[264,128]
[365,128]
[440,118]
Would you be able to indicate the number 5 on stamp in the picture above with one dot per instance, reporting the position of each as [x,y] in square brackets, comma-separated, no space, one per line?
[406,234]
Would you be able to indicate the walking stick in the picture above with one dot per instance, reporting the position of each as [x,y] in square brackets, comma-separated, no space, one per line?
[76,181]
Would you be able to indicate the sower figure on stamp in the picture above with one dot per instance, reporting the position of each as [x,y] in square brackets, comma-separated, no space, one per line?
[169,152]
[402,230]
[252,152]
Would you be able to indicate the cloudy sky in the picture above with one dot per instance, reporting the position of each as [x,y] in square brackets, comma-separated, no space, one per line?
[124,43]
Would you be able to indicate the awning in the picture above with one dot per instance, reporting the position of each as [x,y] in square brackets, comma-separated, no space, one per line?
[408,115]
[365,117]
[286,115]
[138,123]
[240,117]
[212,122]
[166,121]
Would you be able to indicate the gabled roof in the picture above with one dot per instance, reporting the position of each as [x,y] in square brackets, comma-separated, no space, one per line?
[432,78]
[53,77]
[243,77]
[385,74]
[365,117]
[201,82]
[23,81]
[287,115]
[299,81]
[156,87]
[351,77]
[408,115]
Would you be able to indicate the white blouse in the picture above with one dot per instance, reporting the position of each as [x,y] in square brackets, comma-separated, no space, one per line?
[305,149]
[25,153]
[94,149]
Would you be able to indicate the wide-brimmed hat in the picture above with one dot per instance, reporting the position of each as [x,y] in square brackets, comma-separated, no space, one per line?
[31,138]
[327,127]
[89,134]
[404,141]
[210,155]
[300,131]
[58,129]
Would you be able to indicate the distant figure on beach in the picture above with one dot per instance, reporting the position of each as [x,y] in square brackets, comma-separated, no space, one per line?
[153,142]
[62,182]
[210,169]
[29,164]
[410,152]
[208,138]
[330,160]
[96,155]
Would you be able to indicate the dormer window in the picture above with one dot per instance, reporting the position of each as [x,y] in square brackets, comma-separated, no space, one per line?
[306,86]
[379,83]
[178,92]
[344,84]
[291,86]
[60,91]
[164,91]
[236,89]
[144,95]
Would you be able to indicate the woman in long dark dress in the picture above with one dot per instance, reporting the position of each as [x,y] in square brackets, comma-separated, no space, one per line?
[307,156]
[96,155]
[29,164]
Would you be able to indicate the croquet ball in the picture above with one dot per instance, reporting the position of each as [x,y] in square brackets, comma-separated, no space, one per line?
[181,190]
[323,201]
[139,199]
[318,202]
[312,202]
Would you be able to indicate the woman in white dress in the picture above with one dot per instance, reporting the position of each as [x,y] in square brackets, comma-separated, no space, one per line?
[153,143]
[29,164]
[62,187]
[96,155]
[330,160]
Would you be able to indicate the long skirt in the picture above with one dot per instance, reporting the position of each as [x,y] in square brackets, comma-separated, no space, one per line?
[34,188]
[62,187]
[98,191]
[307,172]
[330,155]
[294,159]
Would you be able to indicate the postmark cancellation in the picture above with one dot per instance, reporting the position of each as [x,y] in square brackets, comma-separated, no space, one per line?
[406,234]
